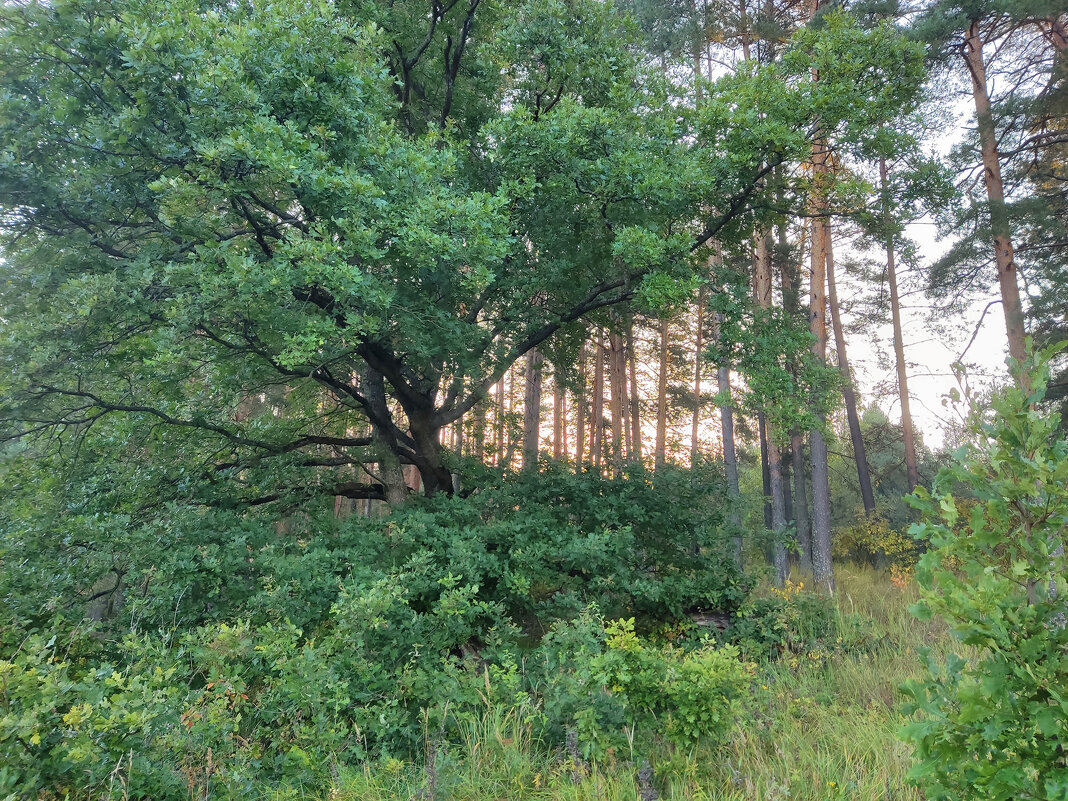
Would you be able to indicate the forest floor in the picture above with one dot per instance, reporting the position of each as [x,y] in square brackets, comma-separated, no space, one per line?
[818,725]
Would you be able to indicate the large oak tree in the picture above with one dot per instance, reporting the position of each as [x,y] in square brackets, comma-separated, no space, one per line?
[256,252]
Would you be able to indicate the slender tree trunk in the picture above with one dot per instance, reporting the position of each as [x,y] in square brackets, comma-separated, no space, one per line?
[765,468]
[778,506]
[823,572]
[498,423]
[787,482]
[580,412]
[743,25]
[849,395]
[511,442]
[635,402]
[789,274]
[661,398]
[617,381]
[478,432]
[597,423]
[907,433]
[801,519]
[532,410]
[730,457]
[698,346]
[559,423]
[995,192]
[775,502]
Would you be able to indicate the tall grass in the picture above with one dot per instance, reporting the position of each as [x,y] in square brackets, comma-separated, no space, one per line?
[818,726]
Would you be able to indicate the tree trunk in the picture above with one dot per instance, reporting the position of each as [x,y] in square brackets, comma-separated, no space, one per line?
[778,507]
[860,454]
[617,387]
[597,423]
[911,468]
[458,437]
[511,442]
[635,402]
[498,422]
[801,520]
[698,345]
[559,421]
[765,468]
[730,457]
[390,471]
[478,432]
[532,410]
[822,570]
[995,192]
[660,455]
[787,482]
[823,573]
[771,456]
[427,435]
[580,412]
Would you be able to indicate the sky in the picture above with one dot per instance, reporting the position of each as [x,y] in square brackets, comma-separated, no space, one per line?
[930,352]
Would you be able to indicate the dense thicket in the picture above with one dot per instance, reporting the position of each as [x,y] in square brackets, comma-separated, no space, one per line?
[351,353]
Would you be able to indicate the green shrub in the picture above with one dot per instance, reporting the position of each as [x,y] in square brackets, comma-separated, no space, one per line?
[872,540]
[992,723]
[267,659]
[612,688]
[68,729]
[788,620]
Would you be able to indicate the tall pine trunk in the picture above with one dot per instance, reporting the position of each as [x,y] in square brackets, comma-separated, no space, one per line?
[995,193]
[801,518]
[860,454]
[559,420]
[695,422]
[498,424]
[580,412]
[730,456]
[907,434]
[774,489]
[617,387]
[822,570]
[597,421]
[532,410]
[635,402]
[660,455]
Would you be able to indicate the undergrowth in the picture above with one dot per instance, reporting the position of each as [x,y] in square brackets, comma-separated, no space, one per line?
[820,723]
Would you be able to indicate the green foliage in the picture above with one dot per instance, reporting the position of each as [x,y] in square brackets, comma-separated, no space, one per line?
[229,226]
[772,349]
[991,724]
[408,627]
[69,725]
[605,682]
[871,539]
[786,621]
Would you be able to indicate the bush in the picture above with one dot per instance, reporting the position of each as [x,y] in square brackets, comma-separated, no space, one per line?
[992,723]
[76,730]
[612,688]
[788,620]
[873,541]
[264,658]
